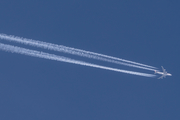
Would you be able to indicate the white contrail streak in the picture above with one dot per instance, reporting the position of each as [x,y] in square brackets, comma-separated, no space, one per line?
[44,55]
[74,51]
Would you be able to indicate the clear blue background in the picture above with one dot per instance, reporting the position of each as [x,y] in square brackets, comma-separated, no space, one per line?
[139,30]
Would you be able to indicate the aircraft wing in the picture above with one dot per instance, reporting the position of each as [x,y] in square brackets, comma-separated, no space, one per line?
[161,77]
[164,70]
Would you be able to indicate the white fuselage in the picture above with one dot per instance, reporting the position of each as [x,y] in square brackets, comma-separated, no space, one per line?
[162,73]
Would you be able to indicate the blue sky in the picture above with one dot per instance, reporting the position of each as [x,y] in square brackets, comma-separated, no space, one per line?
[143,31]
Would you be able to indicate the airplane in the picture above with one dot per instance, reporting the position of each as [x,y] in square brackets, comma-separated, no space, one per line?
[164,73]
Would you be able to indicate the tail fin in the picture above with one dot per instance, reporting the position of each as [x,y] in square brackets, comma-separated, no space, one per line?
[155,71]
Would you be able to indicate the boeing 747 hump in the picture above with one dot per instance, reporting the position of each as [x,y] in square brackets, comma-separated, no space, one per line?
[164,73]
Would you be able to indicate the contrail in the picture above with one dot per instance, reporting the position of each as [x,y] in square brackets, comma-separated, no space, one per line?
[34,53]
[61,48]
